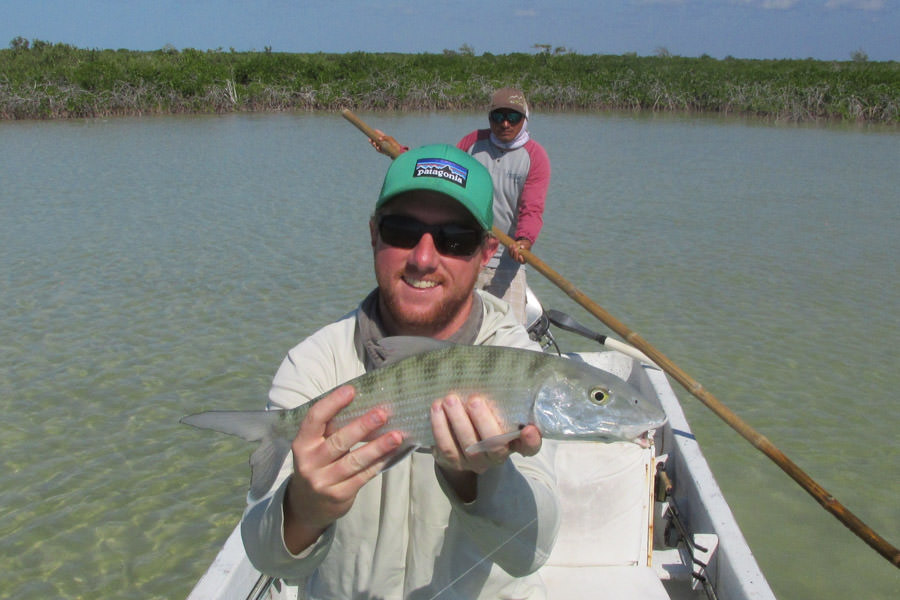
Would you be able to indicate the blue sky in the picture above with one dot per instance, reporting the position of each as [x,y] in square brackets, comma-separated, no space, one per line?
[821,29]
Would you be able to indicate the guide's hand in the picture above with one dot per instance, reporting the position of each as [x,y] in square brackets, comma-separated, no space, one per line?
[378,142]
[516,249]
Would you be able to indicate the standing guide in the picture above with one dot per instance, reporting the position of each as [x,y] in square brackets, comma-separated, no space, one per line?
[445,524]
[520,171]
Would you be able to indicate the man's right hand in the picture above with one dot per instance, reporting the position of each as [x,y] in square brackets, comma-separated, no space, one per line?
[328,470]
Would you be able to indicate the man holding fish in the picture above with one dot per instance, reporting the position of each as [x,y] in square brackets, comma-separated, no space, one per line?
[415,422]
[450,523]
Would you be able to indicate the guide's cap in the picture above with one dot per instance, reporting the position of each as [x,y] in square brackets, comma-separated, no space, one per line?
[510,98]
[446,170]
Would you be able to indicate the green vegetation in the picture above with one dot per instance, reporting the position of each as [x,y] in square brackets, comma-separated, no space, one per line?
[40,80]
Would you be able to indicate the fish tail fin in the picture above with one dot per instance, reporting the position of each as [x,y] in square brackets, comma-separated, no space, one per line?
[253,426]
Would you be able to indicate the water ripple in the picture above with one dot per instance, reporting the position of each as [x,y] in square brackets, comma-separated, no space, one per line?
[158,267]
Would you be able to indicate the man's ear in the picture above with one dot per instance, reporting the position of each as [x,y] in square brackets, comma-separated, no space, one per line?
[488,249]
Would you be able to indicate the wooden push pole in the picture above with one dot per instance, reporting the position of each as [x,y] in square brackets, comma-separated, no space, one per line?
[759,441]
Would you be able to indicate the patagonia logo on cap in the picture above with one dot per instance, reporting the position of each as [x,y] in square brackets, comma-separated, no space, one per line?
[442,169]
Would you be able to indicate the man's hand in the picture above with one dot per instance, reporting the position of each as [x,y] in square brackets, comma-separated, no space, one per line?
[328,471]
[457,425]
[516,249]
[384,138]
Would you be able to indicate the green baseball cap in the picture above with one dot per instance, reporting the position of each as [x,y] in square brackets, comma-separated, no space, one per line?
[446,170]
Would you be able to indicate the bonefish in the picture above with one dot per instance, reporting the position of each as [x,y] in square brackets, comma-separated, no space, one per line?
[566,399]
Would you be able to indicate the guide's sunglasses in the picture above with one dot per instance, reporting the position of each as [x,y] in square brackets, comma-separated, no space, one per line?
[450,239]
[498,116]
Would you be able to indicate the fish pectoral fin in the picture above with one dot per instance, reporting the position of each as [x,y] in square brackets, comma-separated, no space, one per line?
[493,443]
[398,456]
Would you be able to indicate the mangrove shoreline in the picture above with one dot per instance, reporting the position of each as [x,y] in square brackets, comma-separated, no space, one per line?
[41,80]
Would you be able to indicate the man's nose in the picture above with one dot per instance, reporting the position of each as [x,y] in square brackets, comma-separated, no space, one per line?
[424,254]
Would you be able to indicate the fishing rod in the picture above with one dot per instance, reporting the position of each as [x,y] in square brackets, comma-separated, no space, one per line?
[564,321]
[756,439]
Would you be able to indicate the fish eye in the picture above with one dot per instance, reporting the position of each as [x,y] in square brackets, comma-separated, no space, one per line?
[599,396]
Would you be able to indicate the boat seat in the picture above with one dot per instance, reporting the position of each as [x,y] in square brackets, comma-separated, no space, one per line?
[603,545]
[575,583]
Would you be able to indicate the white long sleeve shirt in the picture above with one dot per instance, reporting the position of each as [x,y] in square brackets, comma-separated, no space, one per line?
[407,534]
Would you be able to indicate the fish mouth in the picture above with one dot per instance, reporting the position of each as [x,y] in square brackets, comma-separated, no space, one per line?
[644,440]
[643,436]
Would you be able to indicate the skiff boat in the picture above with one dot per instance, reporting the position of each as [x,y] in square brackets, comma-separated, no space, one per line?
[663,529]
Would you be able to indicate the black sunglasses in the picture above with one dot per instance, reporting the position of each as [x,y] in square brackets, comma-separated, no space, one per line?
[450,239]
[498,116]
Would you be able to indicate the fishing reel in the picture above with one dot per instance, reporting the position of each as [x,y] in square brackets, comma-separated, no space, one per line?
[537,323]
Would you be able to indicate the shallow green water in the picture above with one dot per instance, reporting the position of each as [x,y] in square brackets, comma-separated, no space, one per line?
[157,267]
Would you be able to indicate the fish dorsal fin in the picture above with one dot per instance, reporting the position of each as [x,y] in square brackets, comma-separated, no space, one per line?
[395,348]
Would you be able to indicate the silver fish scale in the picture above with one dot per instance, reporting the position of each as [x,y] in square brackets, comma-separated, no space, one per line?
[507,377]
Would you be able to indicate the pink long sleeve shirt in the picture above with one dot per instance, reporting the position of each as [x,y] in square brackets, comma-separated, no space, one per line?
[521,178]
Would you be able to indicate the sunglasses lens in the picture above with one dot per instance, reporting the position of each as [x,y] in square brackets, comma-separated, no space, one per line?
[456,240]
[449,239]
[513,117]
[400,232]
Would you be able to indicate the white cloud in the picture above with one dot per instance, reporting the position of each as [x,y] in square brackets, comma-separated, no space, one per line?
[525,12]
[872,5]
[769,4]
[779,4]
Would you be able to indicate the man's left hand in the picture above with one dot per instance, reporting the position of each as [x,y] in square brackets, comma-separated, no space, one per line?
[457,425]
